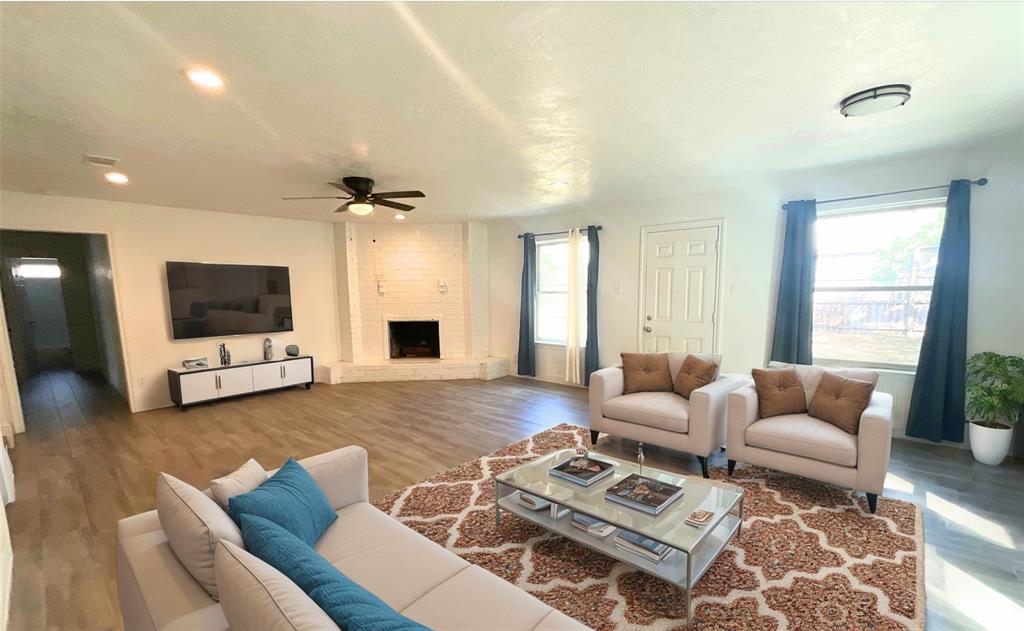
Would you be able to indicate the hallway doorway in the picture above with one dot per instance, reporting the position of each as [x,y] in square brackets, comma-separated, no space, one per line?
[60,308]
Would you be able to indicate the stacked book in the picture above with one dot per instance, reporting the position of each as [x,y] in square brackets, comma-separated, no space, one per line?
[644,494]
[641,545]
[533,502]
[591,525]
[582,470]
[700,518]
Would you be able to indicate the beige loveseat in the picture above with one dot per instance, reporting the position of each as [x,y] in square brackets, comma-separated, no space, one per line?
[665,419]
[810,447]
[406,570]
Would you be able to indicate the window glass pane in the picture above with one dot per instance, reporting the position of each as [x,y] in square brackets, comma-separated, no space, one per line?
[883,327]
[897,247]
[553,266]
[551,317]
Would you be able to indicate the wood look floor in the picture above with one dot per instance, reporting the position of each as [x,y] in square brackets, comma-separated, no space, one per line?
[85,462]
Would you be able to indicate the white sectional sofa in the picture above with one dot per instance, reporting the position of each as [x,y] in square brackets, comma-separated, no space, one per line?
[412,574]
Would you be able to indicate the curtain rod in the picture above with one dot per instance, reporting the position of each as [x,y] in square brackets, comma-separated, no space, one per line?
[980,182]
[547,234]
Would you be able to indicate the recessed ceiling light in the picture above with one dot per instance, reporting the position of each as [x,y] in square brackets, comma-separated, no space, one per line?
[399,217]
[360,208]
[560,185]
[116,177]
[884,97]
[205,78]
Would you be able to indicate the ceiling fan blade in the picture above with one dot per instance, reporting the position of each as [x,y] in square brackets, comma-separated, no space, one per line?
[389,204]
[399,194]
[330,197]
[342,187]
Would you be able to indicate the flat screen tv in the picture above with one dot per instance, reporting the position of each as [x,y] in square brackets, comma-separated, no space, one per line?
[214,300]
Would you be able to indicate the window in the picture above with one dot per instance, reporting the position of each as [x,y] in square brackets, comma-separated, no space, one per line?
[553,290]
[873,284]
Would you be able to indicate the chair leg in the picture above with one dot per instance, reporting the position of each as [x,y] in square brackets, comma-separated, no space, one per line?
[593,436]
[732,466]
[703,465]
[872,501]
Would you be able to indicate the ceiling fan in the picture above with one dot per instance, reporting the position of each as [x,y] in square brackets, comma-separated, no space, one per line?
[362,198]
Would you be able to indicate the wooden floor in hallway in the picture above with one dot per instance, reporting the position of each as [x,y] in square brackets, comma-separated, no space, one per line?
[85,462]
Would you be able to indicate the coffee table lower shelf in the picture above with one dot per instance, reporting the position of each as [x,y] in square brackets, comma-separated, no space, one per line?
[672,568]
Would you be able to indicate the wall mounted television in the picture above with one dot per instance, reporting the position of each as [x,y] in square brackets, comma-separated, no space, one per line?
[217,300]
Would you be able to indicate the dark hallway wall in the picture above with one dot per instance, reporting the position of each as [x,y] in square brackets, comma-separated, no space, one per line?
[72,252]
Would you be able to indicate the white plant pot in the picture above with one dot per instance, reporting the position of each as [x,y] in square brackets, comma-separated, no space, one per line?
[990,444]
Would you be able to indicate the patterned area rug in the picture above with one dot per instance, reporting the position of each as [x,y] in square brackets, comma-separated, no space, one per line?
[810,555]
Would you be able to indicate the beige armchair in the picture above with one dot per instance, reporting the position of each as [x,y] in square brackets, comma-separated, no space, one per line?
[812,448]
[665,419]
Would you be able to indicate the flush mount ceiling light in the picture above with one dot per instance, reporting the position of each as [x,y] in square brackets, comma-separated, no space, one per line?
[399,217]
[884,97]
[205,78]
[360,208]
[116,177]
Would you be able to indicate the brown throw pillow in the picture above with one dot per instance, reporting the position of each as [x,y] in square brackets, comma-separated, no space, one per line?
[841,401]
[694,373]
[779,392]
[646,372]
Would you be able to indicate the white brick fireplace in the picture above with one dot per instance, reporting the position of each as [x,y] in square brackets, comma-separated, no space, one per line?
[395,272]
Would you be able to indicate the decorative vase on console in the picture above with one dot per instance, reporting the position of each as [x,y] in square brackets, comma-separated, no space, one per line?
[268,349]
[225,354]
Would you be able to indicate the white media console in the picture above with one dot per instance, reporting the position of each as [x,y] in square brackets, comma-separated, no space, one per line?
[201,385]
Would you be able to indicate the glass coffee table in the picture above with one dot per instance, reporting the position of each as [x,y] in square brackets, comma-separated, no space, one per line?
[692,549]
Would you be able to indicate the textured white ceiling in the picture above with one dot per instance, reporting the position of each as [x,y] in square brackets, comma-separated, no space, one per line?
[483,106]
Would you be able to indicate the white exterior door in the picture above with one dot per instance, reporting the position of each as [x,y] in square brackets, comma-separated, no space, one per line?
[266,376]
[296,372]
[680,294]
[200,386]
[235,381]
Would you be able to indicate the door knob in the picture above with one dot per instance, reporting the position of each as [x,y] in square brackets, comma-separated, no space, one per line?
[647,328]
[649,318]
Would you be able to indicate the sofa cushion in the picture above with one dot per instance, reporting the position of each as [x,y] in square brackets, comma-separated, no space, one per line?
[803,435]
[810,376]
[291,499]
[475,599]
[840,401]
[394,562]
[676,359]
[193,524]
[663,410]
[645,372]
[350,605]
[242,480]
[778,392]
[693,374]
[256,597]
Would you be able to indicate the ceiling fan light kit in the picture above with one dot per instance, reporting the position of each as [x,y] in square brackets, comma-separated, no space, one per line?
[361,197]
[874,100]
[357,208]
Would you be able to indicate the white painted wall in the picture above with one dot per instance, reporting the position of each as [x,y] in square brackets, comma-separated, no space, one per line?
[144,237]
[101,288]
[750,206]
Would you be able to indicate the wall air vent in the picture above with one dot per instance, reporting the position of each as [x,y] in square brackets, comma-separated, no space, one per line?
[100,161]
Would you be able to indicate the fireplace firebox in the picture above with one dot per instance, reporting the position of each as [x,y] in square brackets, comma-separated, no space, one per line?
[409,339]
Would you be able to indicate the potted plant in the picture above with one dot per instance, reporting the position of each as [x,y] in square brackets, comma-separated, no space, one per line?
[995,399]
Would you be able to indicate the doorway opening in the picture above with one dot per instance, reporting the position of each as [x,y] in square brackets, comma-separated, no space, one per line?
[60,310]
